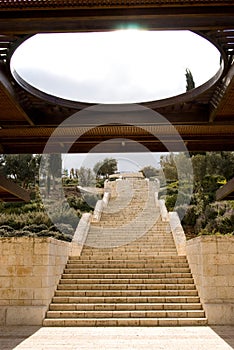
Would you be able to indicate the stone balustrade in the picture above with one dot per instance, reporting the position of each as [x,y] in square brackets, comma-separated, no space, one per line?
[80,234]
[178,233]
[163,210]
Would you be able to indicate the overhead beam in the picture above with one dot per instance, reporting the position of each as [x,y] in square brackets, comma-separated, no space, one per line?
[197,138]
[10,108]
[226,191]
[11,191]
[222,101]
[101,18]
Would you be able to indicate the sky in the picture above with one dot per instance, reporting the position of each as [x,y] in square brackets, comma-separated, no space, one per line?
[130,66]
[126,161]
[125,66]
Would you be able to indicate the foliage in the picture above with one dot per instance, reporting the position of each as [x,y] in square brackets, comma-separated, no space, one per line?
[18,221]
[86,203]
[22,168]
[64,228]
[86,177]
[25,232]
[211,170]
[190,84]
[149,171]
[217,217]
[105,168]
[169,167]
[51,168]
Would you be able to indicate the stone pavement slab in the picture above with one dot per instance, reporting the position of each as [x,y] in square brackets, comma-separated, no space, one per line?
[116,338]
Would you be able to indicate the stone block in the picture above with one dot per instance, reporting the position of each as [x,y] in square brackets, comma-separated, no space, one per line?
[2,316]
[27,282]
[219,313]
[23,270]
[226,270]
[5,282]
[25,293]
[225,292]
[25,316]
[209,248]
[9,293]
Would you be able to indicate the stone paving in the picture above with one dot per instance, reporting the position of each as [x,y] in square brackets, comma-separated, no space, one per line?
[116,338]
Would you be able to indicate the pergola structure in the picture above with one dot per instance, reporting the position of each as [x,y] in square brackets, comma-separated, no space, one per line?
[226,192]
[204,117]
[11,192]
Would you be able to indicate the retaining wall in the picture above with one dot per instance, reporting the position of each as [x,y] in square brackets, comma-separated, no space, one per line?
[30,269]
[211,259]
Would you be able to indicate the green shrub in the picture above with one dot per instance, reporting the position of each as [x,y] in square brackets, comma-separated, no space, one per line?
[217,217]
[6,228]
[35,228]
[64,228]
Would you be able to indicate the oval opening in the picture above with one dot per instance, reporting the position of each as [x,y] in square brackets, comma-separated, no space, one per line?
[124,66]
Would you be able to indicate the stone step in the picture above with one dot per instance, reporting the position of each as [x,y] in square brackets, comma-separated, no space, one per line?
[121,264]
[118,322]
[159,259]
[129,300]
[124,306]
[120,270]
[126,281]
[139,256]
[126,293]
[126,286]
[127,275]
[127,314]
[136,249]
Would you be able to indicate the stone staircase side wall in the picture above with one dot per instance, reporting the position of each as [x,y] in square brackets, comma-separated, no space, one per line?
[163,210]
[29,274]
[80,234]
[177,232]
[211,259]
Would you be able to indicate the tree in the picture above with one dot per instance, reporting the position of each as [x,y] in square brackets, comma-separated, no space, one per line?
[169,167]
[55,166]
[190,84]
[85,177]
[22,168]
[105,168]
[51,166]
[150,171]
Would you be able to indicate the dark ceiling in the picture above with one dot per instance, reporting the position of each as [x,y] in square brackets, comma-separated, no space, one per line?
[204,117]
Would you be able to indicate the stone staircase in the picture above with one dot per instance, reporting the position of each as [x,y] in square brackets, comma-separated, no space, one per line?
[129,272]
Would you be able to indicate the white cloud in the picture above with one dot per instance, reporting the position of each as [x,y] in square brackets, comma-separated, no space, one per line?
[115,67]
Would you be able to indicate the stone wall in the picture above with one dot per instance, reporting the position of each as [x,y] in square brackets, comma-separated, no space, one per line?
[211,259]
[29,273]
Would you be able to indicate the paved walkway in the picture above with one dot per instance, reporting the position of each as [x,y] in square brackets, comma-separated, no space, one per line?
[111,338]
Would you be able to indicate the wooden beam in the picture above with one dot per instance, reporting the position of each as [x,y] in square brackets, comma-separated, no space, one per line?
[103,18]
[223,95]
[10,108]
[226,191]
[206,137]
[10,190]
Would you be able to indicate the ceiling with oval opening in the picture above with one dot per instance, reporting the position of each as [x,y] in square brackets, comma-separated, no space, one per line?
[126,66]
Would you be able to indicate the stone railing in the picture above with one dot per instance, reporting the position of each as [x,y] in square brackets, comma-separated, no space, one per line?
[80,235]
[178,233]
[100,205]
[175,225]
[163,210]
